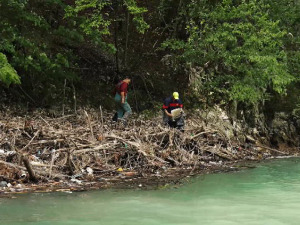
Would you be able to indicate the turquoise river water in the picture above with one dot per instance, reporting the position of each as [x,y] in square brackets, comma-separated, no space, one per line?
[266,195]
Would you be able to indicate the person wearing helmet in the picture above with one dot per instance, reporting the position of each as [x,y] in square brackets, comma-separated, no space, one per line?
[172,112]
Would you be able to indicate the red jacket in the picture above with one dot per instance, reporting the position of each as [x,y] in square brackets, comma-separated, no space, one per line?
[121,87]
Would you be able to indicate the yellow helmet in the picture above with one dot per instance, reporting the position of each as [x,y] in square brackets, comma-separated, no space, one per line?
[176,95]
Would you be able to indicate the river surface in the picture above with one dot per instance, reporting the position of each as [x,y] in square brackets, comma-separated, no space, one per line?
[266,195]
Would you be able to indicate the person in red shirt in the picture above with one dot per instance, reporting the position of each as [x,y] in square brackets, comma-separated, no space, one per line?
[123,108]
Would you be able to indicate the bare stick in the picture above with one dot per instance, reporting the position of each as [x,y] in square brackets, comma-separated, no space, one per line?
[36,133]
[45,121]
[64,98]
[12,165]
[271,149]
[74,97]
[90,124]
[102,121]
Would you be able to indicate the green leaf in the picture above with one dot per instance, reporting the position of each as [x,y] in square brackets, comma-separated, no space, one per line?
[8,74]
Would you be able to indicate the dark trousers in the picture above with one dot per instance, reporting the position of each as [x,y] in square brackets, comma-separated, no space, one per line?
[177,123]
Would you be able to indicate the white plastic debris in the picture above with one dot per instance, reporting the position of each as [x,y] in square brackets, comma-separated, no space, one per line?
[7,153]
[76,181]
[23,174]
[89,171]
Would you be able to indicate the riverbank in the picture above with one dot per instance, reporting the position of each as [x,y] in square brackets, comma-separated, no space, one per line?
[40,152]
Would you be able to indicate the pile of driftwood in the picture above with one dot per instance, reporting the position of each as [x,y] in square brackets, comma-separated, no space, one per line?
[40,147]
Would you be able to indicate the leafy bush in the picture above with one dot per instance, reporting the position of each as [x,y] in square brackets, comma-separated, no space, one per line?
[242,46]
[8,74]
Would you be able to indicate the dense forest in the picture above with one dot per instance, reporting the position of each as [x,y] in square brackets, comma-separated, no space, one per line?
[239,54]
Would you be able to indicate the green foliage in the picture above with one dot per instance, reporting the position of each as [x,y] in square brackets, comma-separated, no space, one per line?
[137,13]
[8,74]
[241,50]
[95,17]
[91,17]
[37,47]
[287,12]
[243,46]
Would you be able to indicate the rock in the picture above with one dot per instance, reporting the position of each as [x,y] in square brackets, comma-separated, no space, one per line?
[19,186]
[3,184]
[283,130]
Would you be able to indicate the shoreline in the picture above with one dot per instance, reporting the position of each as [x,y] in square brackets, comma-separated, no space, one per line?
[83,152]
[121,181]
